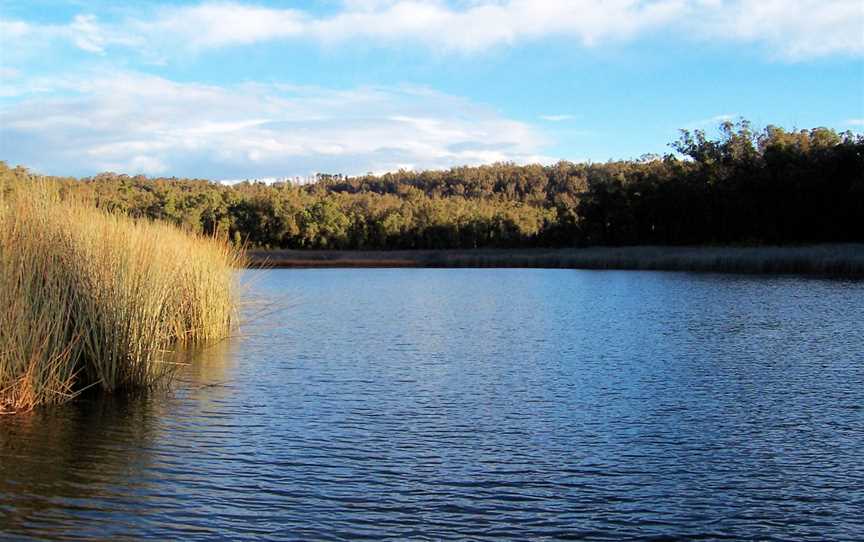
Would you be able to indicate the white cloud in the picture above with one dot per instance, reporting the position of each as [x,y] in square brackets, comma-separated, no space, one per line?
[86,34]
[712,122]
[855,122]
[8,73]
[434,23]
[11,30]
[793,30]
[211,25]
[556,118]
[22,40]
[136,123]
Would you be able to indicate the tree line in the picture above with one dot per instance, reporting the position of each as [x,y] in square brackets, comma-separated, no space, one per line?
[743,186]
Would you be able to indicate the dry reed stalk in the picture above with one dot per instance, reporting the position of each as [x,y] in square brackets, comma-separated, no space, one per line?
[93,299]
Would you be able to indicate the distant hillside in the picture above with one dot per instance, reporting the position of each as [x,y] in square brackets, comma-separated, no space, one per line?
[745,187]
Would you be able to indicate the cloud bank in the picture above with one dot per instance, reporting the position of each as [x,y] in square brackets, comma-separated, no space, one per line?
[792,30]
[137,123]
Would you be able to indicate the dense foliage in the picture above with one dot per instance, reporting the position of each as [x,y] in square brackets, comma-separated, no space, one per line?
[772,186]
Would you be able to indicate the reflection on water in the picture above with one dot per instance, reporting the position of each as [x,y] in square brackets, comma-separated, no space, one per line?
[478,404]
[61,465]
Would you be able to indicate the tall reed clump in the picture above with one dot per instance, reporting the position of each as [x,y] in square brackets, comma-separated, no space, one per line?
[91,299]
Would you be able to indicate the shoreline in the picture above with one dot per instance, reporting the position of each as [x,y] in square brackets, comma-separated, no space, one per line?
[828,259]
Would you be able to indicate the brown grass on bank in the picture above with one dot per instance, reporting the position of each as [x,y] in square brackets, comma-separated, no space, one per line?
[92,299]
[830,259]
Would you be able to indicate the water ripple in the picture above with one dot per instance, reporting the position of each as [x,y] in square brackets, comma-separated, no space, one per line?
[477,405]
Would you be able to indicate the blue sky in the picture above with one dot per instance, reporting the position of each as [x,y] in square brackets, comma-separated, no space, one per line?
[229,90]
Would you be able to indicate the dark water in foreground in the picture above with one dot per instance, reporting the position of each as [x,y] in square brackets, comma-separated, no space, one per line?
[477,404]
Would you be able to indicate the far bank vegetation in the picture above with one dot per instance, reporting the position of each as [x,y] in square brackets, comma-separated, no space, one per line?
[740,187]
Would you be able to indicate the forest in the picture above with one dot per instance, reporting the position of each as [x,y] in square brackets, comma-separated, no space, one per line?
[740,187]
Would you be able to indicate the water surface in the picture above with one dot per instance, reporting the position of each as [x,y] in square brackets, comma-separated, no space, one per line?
[476,405]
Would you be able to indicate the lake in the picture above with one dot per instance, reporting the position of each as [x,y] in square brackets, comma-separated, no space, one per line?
[476,404]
